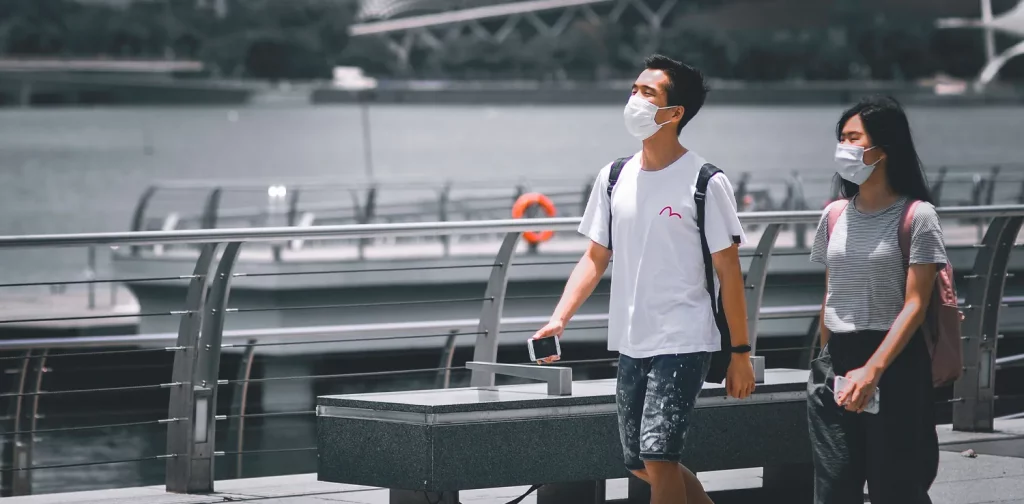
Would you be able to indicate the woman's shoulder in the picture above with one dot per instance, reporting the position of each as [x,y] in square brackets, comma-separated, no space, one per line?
[836,206]
[925,212]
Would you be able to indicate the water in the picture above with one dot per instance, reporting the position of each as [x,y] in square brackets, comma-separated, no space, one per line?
[82,170]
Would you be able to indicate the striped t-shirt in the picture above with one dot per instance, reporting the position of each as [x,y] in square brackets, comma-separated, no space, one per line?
[867,282]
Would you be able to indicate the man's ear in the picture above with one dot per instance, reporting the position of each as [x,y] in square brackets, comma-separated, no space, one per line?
[678,113]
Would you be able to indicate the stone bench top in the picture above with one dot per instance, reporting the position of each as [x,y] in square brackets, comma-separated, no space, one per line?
[780,384]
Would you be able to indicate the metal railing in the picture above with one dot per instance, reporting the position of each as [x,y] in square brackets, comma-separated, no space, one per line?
[195,385]
[304,202]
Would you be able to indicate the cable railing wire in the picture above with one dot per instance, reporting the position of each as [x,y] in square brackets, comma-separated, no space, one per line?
[370,270]
[100,281]
[268,415]
[94,427]
[94,390]
[96,317]
[87,464]
[258,452]
[360,305]
[551,296]
[368,374]
[101,352]
[518,331]
[350,340]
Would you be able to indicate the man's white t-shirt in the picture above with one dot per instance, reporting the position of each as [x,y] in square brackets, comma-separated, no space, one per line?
[659,303]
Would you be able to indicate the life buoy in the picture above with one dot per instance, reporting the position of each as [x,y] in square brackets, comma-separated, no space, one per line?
[519,209]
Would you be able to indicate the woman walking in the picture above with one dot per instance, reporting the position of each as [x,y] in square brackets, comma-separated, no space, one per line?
[879,425]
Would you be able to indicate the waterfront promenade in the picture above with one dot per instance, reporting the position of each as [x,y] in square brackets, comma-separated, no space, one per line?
[985,479]
[201,393]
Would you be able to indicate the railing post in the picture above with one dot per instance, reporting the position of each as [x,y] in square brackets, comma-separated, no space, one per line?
[940,180]
[799,203]
[180,434]
[811,337]
[210,209]
[754,283]
[90,274]
[486,349]
[240,401]
[443,201]
[444,376]
[975,409]
[139,217]
[18,449]
[207,372]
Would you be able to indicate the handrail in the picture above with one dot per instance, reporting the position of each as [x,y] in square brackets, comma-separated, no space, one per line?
[197,347]
[451,228]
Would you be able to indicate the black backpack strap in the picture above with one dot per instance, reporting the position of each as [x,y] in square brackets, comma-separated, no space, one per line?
[613,177]
[719,360]
[700,197]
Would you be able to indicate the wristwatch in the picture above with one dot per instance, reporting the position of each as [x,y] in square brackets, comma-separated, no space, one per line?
[741,349]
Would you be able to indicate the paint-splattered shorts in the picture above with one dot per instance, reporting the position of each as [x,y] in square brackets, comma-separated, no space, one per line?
[655,397]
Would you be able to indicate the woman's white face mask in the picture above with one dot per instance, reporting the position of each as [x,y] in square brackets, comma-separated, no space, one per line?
[851,163]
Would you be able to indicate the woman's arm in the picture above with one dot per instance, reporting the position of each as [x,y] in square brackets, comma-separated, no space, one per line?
[920,283]
[825,333]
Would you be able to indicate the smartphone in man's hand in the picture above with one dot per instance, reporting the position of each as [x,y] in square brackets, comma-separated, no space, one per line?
[543,348]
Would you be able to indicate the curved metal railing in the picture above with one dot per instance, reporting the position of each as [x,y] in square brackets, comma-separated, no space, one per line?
[196,389]
[337,200]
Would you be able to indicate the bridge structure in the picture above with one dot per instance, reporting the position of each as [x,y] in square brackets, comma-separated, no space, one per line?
[210,381]
[1010,22]
[494,23]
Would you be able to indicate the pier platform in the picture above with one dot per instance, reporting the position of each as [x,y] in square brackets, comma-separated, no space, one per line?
[983,479]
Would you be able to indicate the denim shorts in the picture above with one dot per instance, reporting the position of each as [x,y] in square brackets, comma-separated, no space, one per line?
[655,397]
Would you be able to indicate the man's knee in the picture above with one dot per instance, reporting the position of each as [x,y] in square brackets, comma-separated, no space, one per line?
[660,469]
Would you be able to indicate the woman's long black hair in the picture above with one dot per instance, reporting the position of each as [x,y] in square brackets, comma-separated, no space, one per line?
[887,124]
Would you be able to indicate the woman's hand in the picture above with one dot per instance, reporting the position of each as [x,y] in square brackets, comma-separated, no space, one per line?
[861,387]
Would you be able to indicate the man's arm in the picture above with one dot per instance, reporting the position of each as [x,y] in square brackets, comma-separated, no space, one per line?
[739,380]
[581,284]
[734,300]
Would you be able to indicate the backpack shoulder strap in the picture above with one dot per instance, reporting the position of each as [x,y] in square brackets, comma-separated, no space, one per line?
[614,171]
[613,177]
[700,197]
[834,212]
[906,226]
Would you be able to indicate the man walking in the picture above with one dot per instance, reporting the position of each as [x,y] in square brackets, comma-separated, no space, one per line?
[662,320]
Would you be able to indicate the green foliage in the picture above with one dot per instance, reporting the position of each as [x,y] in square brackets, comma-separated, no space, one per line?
[294,39]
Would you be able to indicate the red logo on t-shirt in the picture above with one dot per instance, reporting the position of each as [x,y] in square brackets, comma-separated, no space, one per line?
[670,212]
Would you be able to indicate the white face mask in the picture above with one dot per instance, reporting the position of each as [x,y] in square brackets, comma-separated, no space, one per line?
[851,163]
[639,116]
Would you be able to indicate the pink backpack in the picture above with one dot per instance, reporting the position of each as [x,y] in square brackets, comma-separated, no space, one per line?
[941,326]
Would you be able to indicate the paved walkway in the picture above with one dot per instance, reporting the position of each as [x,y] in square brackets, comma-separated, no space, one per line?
[994,475]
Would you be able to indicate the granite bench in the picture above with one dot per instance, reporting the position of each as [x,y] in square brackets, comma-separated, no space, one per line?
[426,446]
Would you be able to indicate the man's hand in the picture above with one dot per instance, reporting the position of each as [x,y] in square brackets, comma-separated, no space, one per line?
[739,380]
[862,384]
[553,329]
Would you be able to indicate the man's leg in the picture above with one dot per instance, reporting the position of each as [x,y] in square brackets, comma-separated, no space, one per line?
[673,384]
[630,391]
[694,489]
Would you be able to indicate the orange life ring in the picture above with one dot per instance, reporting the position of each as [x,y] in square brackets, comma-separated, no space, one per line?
[524,202]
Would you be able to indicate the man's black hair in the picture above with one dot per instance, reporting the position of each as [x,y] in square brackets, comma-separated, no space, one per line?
[686,86]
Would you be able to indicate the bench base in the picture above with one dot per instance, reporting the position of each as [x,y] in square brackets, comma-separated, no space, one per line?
[421,497]
[578,492]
